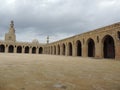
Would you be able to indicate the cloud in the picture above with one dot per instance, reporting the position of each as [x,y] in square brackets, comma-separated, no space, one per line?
[61,18]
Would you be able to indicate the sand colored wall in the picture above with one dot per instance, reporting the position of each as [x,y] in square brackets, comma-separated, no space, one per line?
[10,45]
[100,43]
[97,36]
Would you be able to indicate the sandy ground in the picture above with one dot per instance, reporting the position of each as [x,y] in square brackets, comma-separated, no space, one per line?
[45,72]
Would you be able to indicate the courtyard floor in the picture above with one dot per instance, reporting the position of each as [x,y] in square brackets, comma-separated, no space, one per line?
[46,72]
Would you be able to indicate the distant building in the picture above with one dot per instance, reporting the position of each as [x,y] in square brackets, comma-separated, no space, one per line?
[10,45]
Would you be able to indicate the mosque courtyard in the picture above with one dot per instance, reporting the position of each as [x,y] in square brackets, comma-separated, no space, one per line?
[50,72]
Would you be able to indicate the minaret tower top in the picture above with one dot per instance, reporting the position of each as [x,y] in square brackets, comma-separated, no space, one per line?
[47,39]
[10,36]
[12,30]
[12,24]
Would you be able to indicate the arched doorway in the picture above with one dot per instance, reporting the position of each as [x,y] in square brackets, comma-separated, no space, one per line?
[108,47]
[19,49]
[79,48]
[63,53]
[40,50]
[11,49]
[70,49]
[2,48]
[26,49]
[91,48]
[58,49]
[33,50]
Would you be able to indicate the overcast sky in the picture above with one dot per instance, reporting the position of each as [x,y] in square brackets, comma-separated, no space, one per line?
[36,19]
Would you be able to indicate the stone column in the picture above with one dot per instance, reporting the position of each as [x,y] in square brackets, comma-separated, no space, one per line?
[98,50]
[61,50]
[57,50]
[44,50]
[67,50]
[37,50]
[23,49]
[117,49]
[30,52]
[84,50]
[15,49]
[49,50]
[74,50]
[6,49]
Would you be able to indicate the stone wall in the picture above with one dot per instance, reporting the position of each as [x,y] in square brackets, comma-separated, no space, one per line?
[100,43]
[21,47]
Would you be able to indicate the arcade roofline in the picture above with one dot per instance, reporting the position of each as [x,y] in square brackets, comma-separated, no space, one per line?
[98,30]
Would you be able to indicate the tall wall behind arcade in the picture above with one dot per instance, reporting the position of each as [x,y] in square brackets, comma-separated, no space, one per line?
[100,43]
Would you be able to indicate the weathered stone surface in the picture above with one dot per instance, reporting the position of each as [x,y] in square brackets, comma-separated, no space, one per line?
[100,43]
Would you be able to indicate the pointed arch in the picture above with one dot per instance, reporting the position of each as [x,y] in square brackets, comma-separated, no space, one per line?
[2,48]
[108,47]
[54,50]
[64,49]
[58,48]
[40,50]
[91,48]
[33,50]
[79,48]
[11,49]
[70,51]
[26,49]
[19,49]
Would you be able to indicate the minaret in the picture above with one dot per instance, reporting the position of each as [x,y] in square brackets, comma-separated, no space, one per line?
[12,30]
[10,36]
[47,39]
